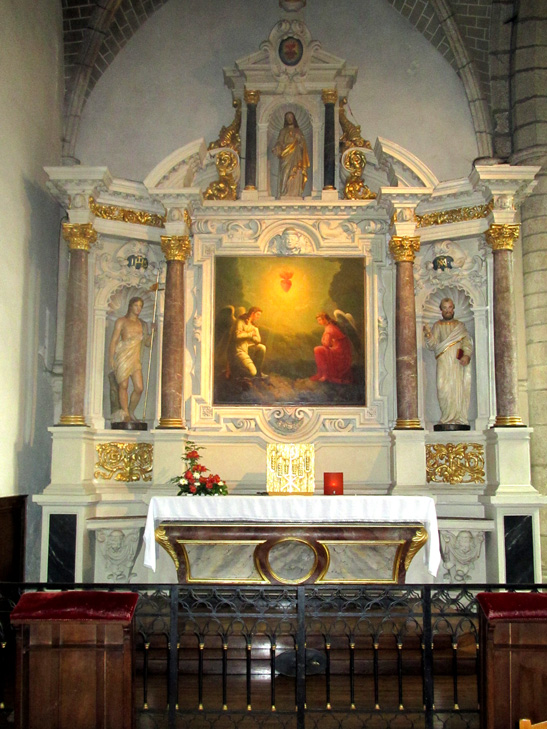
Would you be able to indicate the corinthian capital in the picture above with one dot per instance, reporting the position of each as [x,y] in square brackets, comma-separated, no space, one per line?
[404,248]
[329,96]
[79,236]
[251,97]
[176,247]
[502,237]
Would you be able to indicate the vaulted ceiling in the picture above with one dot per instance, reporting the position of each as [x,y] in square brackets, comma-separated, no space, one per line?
[472,35]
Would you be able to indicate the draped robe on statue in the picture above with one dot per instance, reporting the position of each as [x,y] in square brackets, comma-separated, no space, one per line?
[453,379]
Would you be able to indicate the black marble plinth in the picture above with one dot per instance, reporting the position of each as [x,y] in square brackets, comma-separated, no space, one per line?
[519,549]
[130,425]
[61,557]
[329,148]
[449,427]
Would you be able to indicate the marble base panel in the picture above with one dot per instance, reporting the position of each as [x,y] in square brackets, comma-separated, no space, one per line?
[300,554]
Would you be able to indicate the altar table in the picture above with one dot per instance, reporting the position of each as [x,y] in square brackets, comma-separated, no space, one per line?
[337,528]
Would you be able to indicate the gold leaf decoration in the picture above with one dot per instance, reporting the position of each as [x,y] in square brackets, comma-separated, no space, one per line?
[125,215]
[418,541]
[455,463]
[225,188]
[456,215]
[355,188]
[128,461]
[163,540]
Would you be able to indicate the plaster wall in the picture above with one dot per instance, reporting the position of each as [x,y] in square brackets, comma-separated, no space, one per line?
[165,88]
[30,137]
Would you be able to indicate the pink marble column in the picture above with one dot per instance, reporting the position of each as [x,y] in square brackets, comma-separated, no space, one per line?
[404,249]
[501,238]
[176,249]
[80,238]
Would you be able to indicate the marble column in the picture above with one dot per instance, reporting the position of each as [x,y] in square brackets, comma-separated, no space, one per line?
[329,98]
[251,100]
[176,249]
[403,250]
[80,238]
[501,238]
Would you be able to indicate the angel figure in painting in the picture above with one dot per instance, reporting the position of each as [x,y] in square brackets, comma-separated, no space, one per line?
[241,342]
[292,151]
[333,357]
[124,358]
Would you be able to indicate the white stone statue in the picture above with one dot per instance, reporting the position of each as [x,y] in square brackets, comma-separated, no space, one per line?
[292,151]
[453,347]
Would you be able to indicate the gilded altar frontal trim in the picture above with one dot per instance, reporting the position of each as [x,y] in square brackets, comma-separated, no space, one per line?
[124,461]
[455,463]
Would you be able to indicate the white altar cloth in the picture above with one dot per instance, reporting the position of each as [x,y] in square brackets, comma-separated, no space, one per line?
[297,509]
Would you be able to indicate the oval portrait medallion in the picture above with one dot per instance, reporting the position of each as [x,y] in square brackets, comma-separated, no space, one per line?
[290,51]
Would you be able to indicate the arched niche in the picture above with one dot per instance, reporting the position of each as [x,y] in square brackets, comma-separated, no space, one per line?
[275,125]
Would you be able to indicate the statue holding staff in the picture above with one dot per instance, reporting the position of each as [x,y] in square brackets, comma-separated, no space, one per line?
[453,347]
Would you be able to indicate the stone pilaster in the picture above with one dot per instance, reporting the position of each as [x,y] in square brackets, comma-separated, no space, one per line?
[501,238]
[403,250]
[80,238]
[176,249]
[251,100]
[329,98]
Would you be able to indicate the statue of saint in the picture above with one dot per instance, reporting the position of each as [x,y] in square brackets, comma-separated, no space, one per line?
[124,358]
[293,156]
[453,347]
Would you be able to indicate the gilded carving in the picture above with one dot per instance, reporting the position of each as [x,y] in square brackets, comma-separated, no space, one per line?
[187,218]
[329,96]
[176,247]
[351,133]
[418,541]
[225,188]
[456,215]
[229,136]
[290,468]
[355,189]
[455,463]
[125,215]
[80,237]
[251,97]
[163,540]
[404,248]
[129,461]
[502,237]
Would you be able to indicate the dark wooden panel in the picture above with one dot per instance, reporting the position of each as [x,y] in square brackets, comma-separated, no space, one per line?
[12,538]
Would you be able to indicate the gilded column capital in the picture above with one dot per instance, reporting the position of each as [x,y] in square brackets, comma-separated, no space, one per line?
[79,236]
[176,247]
[251,97]
[404,247]
[329,96]
[502,237]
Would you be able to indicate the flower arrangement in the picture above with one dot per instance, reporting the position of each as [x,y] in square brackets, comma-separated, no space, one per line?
[194,480]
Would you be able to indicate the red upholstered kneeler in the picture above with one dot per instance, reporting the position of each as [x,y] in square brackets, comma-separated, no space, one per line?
[513,658]
[75,660]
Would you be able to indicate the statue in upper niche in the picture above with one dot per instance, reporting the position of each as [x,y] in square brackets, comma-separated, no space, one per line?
[293,156]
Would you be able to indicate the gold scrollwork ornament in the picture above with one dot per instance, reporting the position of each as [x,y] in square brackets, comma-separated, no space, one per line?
[163,540]
[455,215]
[351,133]
[455,463]
[225,188]
[126,215]
[418,541]
[355,188]
[403,248]
[128,461]
[229,136]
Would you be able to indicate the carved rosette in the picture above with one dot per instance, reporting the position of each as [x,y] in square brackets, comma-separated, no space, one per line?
[176,247]
[124,461]
[502,237]
[126,215]
[455,463]
[79,236]
[404,248]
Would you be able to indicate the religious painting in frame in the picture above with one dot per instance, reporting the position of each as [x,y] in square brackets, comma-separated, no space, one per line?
[289,331]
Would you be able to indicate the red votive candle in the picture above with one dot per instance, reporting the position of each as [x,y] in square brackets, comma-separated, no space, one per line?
[333,484]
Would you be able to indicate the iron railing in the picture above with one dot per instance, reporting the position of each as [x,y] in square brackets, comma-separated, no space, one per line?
[315,656]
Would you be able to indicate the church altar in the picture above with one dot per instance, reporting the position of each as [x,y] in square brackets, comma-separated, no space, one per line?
[348,538]
[332,292]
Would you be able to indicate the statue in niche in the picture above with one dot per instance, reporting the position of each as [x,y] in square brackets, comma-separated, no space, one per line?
[124,360]
[453,347]
[292,151]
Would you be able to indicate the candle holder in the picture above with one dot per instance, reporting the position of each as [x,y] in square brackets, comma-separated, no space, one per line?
[333,484]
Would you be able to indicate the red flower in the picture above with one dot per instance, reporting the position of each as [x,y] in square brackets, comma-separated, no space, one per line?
[202,479]
[216,478]
[193,489]
[192,454]
[189,475]
[209,486]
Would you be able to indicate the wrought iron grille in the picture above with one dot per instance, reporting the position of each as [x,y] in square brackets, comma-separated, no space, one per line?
[314,657]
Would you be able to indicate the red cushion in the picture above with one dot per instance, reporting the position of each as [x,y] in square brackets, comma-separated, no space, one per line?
[513,605]
[81,606]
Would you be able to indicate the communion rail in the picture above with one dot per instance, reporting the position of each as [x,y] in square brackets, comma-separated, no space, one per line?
[240,657]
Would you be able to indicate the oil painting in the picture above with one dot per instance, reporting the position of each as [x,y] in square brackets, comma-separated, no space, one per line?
[289,331]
